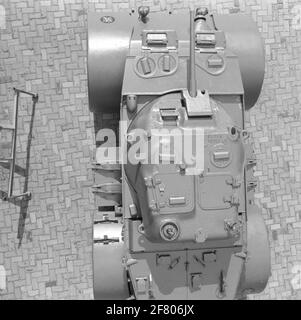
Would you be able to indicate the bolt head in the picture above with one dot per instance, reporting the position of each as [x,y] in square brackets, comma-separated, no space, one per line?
[169,231]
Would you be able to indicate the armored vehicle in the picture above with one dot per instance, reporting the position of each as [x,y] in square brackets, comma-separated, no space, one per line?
[176,215]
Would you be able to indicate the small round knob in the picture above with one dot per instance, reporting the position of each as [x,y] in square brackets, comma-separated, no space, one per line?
[143,11]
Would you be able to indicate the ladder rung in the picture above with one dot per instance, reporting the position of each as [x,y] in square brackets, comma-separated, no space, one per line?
[7,128]
[5,160]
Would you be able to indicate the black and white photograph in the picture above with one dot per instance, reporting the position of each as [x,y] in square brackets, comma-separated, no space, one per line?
[150,150]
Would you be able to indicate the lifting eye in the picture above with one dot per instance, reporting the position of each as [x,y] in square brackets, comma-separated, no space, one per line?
[233,131]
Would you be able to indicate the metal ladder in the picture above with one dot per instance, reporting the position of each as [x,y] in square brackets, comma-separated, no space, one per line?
[12,159]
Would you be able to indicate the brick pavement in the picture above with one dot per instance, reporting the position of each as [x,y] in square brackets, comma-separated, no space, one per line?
[46,243]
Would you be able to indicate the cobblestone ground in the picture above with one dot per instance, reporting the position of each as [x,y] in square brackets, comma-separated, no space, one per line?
[46,243]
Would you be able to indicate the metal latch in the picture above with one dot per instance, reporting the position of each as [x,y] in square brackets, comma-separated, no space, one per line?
[169,114]
[156,39]
[205,39]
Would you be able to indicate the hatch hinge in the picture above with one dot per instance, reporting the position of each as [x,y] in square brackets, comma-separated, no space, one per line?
[198,106]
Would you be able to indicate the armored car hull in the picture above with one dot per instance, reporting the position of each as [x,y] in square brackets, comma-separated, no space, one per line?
[175,196]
